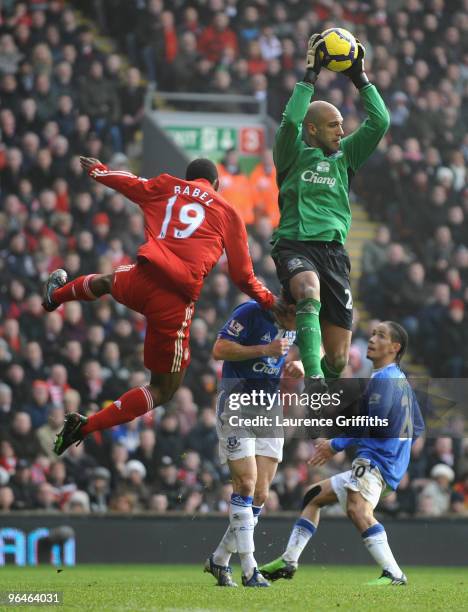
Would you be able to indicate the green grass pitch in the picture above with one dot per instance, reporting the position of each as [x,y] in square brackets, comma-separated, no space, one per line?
[315,587]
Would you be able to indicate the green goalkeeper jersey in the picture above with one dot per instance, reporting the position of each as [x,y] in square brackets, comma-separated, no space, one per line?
[314,186]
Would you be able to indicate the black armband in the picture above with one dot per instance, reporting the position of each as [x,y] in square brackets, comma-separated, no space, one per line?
[310,76]
[360,80]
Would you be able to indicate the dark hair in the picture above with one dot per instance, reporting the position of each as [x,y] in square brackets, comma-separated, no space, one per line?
[201,168]
[398,334]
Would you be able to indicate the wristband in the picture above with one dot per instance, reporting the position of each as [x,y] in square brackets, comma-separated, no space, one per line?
[360,80]
[310,76]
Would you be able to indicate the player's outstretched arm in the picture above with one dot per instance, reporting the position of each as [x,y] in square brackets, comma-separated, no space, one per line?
[339,444]
[288,137]
[324,451]
[88,162]
[359,145]
[240,264]
[133,187]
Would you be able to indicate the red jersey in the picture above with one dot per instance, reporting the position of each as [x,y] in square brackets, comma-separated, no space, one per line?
[188,225]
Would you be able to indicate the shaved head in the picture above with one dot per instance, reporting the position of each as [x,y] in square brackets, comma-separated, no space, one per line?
[323,126]
[320,111]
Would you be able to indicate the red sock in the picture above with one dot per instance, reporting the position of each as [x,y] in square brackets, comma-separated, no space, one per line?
[130,405]
[78,289]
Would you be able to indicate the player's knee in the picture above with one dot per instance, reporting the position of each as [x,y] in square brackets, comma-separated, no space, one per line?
[108,280]
[309,291]
[101,284]
[305,287]
[161,395]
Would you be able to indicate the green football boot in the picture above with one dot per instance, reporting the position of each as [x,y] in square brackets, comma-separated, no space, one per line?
[279,568]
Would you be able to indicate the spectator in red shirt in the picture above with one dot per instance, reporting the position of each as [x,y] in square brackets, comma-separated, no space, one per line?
[216,37]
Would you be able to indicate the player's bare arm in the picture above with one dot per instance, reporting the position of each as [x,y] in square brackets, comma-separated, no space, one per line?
[226,350]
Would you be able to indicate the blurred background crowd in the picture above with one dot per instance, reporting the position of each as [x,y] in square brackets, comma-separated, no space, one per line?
[62,96]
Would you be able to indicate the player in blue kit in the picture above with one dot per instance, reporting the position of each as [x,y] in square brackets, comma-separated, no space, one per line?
[379,464]
[256,346]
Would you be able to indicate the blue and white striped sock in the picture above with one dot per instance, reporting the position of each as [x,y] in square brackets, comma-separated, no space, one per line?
[301,533]
[256,512]
[375,540]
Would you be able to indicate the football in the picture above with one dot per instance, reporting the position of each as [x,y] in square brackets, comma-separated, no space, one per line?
[340,49]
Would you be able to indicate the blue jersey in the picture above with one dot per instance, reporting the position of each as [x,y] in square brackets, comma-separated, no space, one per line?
[250,325]
[389,396]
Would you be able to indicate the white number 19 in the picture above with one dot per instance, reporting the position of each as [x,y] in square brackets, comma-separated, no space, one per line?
[192,215]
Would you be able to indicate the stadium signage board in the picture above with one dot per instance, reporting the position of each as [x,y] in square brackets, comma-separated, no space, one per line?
[22,548]
[214,140]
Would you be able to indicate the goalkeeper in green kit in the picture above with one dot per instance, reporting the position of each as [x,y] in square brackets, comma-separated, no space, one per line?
[315,165]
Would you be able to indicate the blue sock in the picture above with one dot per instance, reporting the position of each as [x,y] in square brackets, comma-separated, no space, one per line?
[257,510]
[241,500]
[377,528]
[256,513]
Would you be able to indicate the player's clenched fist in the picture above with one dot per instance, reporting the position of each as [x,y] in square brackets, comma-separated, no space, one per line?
[357,72]
[294,369]
[277,348]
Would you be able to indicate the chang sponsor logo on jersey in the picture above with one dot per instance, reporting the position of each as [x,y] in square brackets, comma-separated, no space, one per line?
[266,368]
[310,176]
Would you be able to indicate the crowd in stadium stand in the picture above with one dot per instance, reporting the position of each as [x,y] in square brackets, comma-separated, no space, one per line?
[61,96]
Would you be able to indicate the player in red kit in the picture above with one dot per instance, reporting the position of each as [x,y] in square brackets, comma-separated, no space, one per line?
[187,227]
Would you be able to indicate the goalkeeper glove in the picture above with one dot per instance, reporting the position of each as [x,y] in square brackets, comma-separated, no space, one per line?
[313,62]
[356,72]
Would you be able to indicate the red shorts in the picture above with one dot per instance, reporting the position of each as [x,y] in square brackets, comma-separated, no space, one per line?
[168,315]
